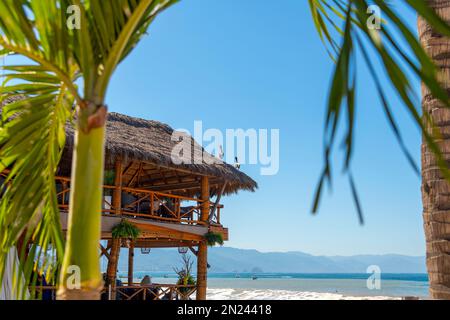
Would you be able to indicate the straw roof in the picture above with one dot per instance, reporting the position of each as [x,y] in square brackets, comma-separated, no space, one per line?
[139,140]
[135,139]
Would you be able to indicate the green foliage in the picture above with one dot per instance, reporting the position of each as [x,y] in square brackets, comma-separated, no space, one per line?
[185,277]
[32,132]
[213,238]
[108,180]
[125,230]
[343,28]
[109,177]
[186,280]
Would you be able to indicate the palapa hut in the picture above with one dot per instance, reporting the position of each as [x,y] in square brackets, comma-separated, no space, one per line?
[173,202]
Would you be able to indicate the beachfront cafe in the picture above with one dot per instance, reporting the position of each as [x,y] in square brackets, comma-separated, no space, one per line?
[173,202]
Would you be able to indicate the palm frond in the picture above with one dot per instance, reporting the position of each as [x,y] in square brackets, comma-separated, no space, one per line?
[44,92]
[357,35]
[32,134]
[31,140]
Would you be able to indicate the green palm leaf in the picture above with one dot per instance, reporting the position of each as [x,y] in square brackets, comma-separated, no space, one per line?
[353,14]
[39,97]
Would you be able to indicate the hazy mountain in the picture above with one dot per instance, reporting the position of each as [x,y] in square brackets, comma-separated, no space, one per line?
[225,259]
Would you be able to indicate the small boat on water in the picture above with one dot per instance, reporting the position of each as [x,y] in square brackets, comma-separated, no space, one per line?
[166,276]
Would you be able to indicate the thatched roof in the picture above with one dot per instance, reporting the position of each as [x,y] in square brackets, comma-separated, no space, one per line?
[151,142]
[135,139]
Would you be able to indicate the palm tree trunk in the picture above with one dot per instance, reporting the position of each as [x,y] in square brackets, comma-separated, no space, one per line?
[435,189]
[80,274]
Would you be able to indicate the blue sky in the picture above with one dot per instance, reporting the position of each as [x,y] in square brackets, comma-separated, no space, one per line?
[251,64]
[260,64]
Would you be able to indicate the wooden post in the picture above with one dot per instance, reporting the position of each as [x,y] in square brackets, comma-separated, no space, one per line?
[202,256]
[130,263]
[115,246]
[205,197]
[111,272]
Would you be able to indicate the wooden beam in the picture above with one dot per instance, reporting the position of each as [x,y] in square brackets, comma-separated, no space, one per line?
[175,186]
[138,171]
[104,252]
[127,168]
[180,170]
[130,262]
[163,243]
[205,197]
[214,208]
[166,232]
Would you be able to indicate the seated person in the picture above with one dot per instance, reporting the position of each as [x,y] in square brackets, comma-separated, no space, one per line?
[147,280]
[167,209]
[151,293]
[119,283]
[127,200]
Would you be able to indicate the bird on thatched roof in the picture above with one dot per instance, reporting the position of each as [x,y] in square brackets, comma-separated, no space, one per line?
[221,153]
[237,165]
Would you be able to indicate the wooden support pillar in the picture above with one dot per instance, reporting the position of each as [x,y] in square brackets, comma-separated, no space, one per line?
[205,197]
[130,263]
[111,272]
[113,261]
[202,271]
[202,256]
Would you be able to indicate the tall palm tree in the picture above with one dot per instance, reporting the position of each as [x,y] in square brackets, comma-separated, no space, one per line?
[71,49]
[435,188]
[400,57]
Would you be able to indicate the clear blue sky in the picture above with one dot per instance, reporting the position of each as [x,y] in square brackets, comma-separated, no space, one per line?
[257,64]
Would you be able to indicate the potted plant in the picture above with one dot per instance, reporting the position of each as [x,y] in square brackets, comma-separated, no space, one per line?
[213,238]
[125,230]
[185,277]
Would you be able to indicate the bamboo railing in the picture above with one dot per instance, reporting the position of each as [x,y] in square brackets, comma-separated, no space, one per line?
[147,204]
[136,291]
[155,291]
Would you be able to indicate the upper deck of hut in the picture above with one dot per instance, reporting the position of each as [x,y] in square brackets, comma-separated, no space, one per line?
[149,179]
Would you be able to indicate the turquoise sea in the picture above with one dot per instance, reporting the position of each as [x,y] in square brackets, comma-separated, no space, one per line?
[247,286]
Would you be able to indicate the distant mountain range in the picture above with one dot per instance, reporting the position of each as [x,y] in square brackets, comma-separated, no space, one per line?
[226,259]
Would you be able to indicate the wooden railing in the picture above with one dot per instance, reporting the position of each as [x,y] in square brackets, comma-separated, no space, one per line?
[142,203]
[155,292]
[42,292]
[132,292]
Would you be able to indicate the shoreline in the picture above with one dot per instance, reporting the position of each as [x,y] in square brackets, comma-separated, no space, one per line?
[287,288]
[271,294]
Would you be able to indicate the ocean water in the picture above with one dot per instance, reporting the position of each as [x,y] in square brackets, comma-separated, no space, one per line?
[298,286]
